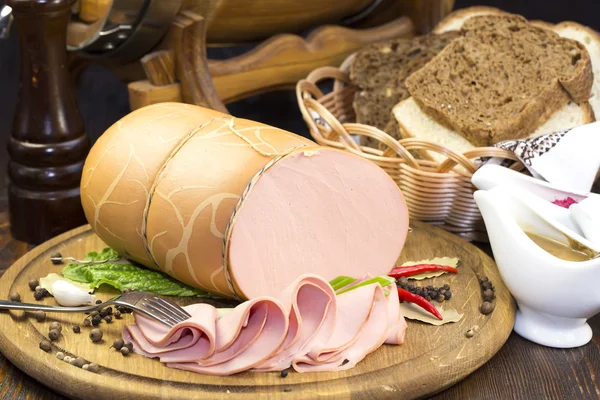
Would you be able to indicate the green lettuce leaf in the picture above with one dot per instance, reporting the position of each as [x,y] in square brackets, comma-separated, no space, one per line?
[124,274]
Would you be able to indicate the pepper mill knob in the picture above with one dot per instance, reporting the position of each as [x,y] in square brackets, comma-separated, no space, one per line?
[48,144]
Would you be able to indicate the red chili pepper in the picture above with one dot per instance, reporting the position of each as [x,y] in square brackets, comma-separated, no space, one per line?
[405,295]
[420,268]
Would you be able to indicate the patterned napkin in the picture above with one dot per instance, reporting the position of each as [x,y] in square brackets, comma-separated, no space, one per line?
[569,159]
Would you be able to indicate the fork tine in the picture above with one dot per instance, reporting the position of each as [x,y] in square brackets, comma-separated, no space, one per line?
[160,305]
[160,311]
[174,308]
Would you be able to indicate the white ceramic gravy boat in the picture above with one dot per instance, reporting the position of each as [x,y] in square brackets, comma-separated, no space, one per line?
[555,297]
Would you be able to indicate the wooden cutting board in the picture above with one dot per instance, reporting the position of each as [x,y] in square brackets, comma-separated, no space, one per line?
[432,358]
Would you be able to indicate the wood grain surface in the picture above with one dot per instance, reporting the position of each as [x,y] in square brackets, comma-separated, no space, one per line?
[432,358]
[520,370]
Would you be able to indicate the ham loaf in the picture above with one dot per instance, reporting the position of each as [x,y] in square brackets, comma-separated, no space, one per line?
[235,207]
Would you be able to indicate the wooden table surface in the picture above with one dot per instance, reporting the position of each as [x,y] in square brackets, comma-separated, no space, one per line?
[520,370]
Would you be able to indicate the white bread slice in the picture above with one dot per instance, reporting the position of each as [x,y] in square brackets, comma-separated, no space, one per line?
[416,124]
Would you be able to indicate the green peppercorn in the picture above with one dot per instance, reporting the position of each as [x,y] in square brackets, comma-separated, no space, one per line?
[487,308]
[96,320]
[15,297]
[76,329]
[96,335]
[53,335]
[56,258]
[40,316]
[33,284]
[124,351]
[45,345]
[55,326]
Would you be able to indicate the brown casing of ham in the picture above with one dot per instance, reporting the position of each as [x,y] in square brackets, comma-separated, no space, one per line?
[236,207]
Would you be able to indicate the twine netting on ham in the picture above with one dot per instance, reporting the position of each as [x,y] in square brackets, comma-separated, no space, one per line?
[229,123]
[238,206]
[438,193]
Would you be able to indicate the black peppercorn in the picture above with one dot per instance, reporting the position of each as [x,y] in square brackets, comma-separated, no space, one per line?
[96,320]
[486,285]
[76,328]
[40,293]
[96,335]
[411,287]
[78,362]
[430,287]
[108,318]
[40,316]
[483,279]
[284,373]
[55,326]
[98,301]
[446,287]
[428,298]
[33,284]
[53,334]
[448,295]
[487,308]
[118,344]
[87,322]
[441,298]
[488,295]
[433,294]
[117,314]
[56,258]
[45,345]
[93,367]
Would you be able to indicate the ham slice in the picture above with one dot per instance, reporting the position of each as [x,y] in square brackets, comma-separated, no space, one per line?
[307,327]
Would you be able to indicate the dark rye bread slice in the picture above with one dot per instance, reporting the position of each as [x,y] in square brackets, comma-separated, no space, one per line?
[502,80]
[380,69]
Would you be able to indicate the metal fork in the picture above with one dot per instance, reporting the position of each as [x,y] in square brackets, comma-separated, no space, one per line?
[145,303]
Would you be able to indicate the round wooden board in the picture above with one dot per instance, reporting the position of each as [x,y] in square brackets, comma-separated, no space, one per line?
[432,358]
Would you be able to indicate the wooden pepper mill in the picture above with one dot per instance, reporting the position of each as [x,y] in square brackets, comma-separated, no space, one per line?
[48,145]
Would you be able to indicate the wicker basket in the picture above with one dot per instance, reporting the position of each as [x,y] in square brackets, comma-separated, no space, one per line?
[440,194]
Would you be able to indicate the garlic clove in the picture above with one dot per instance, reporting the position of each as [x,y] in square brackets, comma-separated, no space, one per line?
[69,295]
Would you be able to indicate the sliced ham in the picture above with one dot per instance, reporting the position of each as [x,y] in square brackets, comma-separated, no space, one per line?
[307,327]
